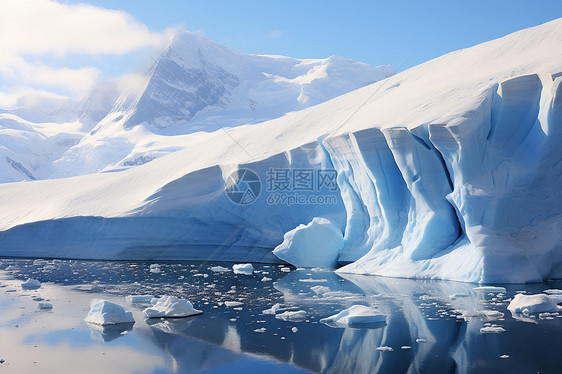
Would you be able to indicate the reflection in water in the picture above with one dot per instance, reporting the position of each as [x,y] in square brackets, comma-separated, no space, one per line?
[108,333]
[432,326]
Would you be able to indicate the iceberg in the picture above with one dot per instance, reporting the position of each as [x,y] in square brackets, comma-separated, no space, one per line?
[530,304]
[171,307]
[103,312]
[448,170]
[316,244]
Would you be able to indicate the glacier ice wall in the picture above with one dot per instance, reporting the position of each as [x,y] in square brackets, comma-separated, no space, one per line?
[450,170]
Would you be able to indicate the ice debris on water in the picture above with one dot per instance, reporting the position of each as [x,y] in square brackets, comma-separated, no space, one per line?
[31,284]
[219,269]
[155,268]
[246,269]
[298,315]
[45,306]
[103,312]
[139,299]
[171,306]
[355,315]
[492,329]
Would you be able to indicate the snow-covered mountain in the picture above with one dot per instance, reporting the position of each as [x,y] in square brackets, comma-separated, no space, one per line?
[448,170]
[199,85]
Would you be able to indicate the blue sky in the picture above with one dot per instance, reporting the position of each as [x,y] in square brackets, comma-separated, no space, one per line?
[376,32]
[82,44]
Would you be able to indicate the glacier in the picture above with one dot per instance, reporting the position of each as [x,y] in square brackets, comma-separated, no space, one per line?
[449,170]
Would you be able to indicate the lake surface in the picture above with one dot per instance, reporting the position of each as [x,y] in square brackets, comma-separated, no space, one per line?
[432,326]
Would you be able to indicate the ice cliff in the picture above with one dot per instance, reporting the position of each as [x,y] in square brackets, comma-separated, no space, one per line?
[449,170]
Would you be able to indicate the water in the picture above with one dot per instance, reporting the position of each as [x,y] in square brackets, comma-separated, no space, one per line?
[242,339]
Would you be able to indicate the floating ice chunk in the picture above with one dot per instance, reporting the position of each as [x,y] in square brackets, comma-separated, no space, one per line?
[317,244]
[532,304]
[492,289]
[420,340]
[103,312]
[356,315]
[155,268]
[230,304]
[219,269]
[385,349]
[31,284]
[488,314]
[406,347]
[263,329]
[139,299]
[171,306]
[266,279]
[320,290]
[459,295]
[493,329]
[553,291]
[504,356]
[298,315]
[272,310]
[294,329]
[45,306]
[286,270]
[247,269]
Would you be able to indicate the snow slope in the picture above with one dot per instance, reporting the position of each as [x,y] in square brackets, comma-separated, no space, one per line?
[448,170]
[199,85]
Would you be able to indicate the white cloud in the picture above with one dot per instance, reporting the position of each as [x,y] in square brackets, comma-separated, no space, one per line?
[275,34]
[39,27]
[36,74]
[33,29]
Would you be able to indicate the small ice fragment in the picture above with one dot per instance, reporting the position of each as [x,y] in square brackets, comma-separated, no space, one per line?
[286,270]
[385,349]
[294,329]
[504,356]
[420,340]
[155,268]
[494,329]
[31,284]
[230,304]
[219,269]
[272,310]
[298,315]
[492,289]
[139,299]
[355,315]
[320,290]
[553,291]
[45,306]
[171,306]
[406,347]
[246,269]
[458,295]
[266,279]
[103,312]
[263,329]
